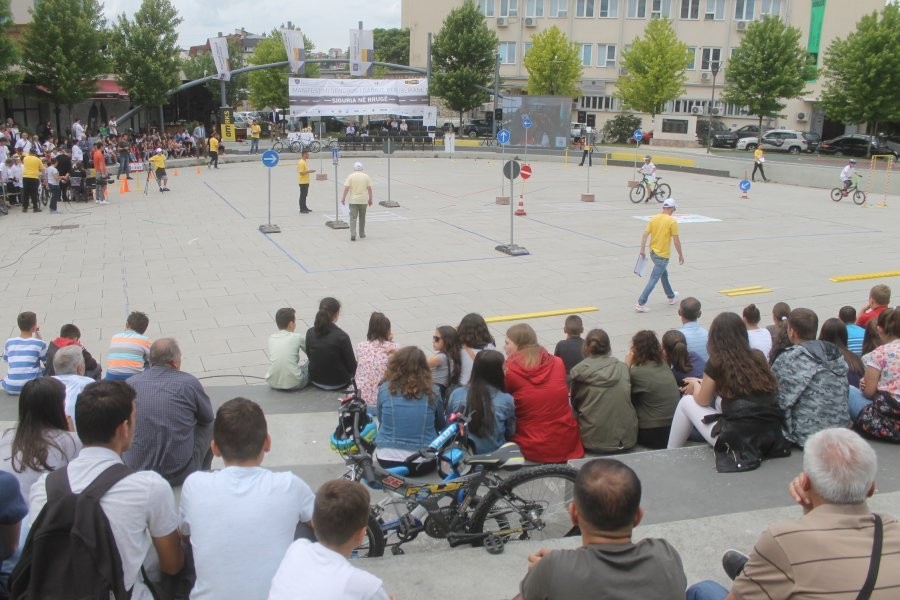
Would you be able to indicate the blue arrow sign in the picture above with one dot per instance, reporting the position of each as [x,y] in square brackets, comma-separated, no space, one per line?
[335,154]
[638,135]
[270,158]
[744,185]
[526,121]
[503,136]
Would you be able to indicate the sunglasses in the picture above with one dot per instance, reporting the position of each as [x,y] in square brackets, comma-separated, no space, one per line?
[436,338]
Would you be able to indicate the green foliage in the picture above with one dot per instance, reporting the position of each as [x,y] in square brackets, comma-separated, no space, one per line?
[9,54]
[202,65]
[554,66]
[63,48]
[391,45]
[145,52]
[768,67]
[621,127]
[861,72]
[655,65]
[462,58]
[269,87]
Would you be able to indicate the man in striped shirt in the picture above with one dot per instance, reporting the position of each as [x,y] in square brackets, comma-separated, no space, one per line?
[129,351]
[24,354]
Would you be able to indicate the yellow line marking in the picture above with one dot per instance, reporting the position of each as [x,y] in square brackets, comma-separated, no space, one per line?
[748,292]
[860,276]
[660,160]
[743,289]
[539,315]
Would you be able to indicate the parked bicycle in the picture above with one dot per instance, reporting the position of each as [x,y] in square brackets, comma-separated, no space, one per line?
[480,508]
[660,191]
[859,196]
[295,143]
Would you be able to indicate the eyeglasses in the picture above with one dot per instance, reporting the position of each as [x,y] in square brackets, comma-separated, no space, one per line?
[436,338]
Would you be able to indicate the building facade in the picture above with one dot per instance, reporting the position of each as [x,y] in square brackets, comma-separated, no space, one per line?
[602,29]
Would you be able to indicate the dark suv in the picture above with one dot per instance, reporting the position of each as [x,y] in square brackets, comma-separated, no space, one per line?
[478,128]
[855,144]
[720,136]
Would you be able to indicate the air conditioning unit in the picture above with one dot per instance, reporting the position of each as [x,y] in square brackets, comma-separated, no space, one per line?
[714,111]
[705,76]
[801,116]
[696,110]
[741,25]
[502,21]
[709,16]
[530,22]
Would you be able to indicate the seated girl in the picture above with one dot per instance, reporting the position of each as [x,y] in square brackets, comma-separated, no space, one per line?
[492,412]
[654,392]
[683,362]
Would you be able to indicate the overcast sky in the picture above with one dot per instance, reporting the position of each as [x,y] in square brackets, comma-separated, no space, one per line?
[326,23]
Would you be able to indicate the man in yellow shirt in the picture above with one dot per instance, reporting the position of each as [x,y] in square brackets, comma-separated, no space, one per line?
[662,230]
[32,166]
[303,172]
[213,151]
[357,185]
[158,160]
[255,130]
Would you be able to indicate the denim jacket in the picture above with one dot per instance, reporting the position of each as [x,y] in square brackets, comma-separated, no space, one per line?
[407,424]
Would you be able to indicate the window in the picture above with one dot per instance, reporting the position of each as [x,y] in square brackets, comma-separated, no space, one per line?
[690,9]
[715,9]
[770,7]
[661,9]
[693,64]
[586,54]
[675,125]
[609,9]
[559,9]
[584,8]
[599,103]
[507,53]
[709,55]
[526,46]
[743,10]
[606,55]
[486,7]
[534,8]
[637,9]
[509,8]
[687,106]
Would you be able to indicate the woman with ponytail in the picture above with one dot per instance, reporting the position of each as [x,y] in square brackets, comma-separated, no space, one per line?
[332,364]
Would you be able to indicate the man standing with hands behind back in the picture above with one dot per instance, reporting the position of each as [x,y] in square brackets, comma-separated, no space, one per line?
[357,184]
[662,230]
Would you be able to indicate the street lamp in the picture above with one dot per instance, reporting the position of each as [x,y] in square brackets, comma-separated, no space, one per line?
[714,67]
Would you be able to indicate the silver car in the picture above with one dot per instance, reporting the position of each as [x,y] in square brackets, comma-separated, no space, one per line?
[777,140]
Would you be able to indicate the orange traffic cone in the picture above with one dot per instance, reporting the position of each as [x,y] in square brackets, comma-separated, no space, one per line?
[198,170]
[175,172]
[123,187]
[520,209]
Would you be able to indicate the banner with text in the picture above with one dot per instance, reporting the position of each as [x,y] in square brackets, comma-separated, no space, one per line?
[218,47]
[362,52]
[351,97]
[295,46]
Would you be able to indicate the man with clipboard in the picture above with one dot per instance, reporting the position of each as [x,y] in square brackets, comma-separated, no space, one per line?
[662,230]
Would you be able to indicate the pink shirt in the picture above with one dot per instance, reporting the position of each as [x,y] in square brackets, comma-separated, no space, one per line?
[372,359]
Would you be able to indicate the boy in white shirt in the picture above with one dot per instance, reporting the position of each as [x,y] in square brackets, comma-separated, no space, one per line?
[648,170]
[288,364]
[320,569]
[847,174]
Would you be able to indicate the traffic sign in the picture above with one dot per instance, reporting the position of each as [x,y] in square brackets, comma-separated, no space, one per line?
[270,158]
[638,135]
[511,169]
[525,172]
[744,185]
[526,121]
[503,136]
[335,155]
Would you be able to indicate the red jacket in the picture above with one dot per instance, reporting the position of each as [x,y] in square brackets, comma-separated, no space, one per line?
[546,429]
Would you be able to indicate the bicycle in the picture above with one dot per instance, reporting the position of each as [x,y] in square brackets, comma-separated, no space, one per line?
[859,196]
[481,508]
[660,191]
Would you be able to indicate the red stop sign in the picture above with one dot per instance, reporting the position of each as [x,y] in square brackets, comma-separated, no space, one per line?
[525,173]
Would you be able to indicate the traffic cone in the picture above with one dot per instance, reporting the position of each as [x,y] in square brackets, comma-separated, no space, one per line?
[175,172]
[198,170]
[123,187]
[520,209]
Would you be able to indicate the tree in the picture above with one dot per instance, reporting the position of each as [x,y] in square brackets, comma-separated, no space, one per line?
[391,45]
[463,58]
[64,50]
[9,54]
[861,76]
[202,65]
[269,87]
[768,67]
[554,66]
[655,67]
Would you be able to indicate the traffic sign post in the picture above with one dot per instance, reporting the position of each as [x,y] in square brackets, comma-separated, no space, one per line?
[638,135]
[503,137]
[526,125]
[321,175]
[389,203]
[337,223]
[744,186]
[511,170]
[270,160]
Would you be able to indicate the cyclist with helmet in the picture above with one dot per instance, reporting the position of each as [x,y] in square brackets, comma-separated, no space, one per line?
[847,174]
[648,170]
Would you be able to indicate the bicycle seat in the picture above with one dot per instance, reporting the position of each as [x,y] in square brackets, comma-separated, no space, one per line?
[507,457]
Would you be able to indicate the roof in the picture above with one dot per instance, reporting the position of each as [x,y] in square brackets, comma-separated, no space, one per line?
[108,89]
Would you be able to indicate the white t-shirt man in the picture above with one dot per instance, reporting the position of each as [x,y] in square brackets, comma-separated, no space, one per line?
[78,130]
[141,503]
[241,520]
[310,570]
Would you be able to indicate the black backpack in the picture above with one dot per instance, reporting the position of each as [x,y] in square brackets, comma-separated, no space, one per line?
[70,552]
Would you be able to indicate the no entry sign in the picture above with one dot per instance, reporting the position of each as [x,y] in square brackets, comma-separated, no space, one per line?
[525,172]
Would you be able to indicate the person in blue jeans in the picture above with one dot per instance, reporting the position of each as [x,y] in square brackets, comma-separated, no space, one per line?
[662,231]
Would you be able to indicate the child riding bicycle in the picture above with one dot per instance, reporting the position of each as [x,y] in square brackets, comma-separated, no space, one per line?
[847,175]
[648,170]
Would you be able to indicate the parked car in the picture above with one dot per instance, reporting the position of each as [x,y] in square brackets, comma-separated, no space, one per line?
[812,140]
[777,140]
[747,131]
[478,127]
[575,130]
[721,137]
[855,145]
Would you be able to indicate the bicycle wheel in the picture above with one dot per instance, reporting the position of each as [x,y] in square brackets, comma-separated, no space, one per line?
[859,197]
[530,505]
[444,466]
[373,544]
[663,192]
[45,196]
[296,147]
[314,146]
[637,193]
[278,146]
[837,194]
